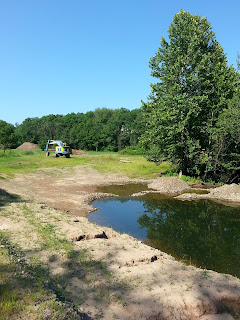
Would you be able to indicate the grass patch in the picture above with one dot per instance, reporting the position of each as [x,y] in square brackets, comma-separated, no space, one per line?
[21,161]
[94,153]
[136,150]
[185,178]
[47,233]
[131,166]
[23,296]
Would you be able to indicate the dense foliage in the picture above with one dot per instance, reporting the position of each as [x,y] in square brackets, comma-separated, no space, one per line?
[102,129]
[192,116]
[7,136]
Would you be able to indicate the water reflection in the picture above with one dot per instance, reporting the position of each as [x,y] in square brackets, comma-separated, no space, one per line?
[204,233]
[123,190]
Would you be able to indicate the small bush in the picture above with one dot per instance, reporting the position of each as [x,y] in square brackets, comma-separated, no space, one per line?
[172,171]
[135,150]
[190,179]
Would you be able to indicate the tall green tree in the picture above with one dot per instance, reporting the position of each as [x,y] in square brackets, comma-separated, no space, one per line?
[226,160]
[7,137]
[194,85]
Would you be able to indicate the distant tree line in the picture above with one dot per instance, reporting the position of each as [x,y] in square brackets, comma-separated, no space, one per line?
[102,129]
[191,118]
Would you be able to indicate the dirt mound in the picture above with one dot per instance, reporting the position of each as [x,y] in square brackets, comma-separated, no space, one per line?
[28,146]
[227,192]
[169,185]
[79,152]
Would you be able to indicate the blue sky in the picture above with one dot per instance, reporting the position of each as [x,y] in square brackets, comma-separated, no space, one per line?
[59,57]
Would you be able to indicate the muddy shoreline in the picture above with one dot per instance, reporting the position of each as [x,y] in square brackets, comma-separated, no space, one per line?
[157,286]
[74,192]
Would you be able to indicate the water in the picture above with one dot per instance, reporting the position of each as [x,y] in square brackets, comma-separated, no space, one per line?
[123,189]
[203,233]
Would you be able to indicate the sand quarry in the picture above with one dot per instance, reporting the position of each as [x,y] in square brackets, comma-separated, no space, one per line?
[137,282]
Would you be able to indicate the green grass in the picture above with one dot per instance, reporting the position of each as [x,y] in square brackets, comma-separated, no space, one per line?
[47,233]
[21,294]
[101,152]
[21,161]
[131,166]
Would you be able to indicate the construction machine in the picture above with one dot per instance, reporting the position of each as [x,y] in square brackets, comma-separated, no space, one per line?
[60,148]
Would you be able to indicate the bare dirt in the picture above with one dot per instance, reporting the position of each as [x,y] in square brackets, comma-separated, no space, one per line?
[28,146]
[229,194]
[169,185]
[79,152]
[130,280]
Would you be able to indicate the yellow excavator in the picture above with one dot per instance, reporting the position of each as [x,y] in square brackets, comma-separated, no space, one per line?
[60,148]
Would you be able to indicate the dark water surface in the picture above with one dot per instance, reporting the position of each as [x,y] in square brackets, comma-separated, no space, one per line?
[203,233]
[123,189]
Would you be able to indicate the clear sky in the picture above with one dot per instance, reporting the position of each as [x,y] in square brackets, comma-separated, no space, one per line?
[63,56]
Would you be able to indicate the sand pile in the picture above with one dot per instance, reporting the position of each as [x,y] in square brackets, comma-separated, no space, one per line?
[227,192]
[79,152]
[169,185]
[28,146]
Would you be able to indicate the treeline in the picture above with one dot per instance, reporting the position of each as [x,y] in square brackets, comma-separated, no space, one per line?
[102,129]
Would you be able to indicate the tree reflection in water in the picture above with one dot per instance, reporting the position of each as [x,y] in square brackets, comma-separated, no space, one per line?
[204,233]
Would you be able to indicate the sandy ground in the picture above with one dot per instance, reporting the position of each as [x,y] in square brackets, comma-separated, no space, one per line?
[139,282]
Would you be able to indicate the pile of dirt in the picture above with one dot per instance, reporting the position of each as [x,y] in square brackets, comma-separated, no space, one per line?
[169,185]
[79,152]
[227,192]
[28,146]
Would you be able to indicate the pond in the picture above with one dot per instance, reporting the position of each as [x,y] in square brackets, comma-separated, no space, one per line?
[202,233]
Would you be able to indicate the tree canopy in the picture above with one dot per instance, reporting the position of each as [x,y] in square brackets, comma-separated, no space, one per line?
[7,137]
[194,87]
[102,129]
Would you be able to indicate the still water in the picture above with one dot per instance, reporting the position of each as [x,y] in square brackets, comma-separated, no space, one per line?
[203,233]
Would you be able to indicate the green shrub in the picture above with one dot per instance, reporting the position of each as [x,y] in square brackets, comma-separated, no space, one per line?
[190,179]
[172,171]
[135,150]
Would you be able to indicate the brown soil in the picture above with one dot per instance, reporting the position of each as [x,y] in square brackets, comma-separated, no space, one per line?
[229,194]
[140,282]
[169,185]
[79,152]
[28,146]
